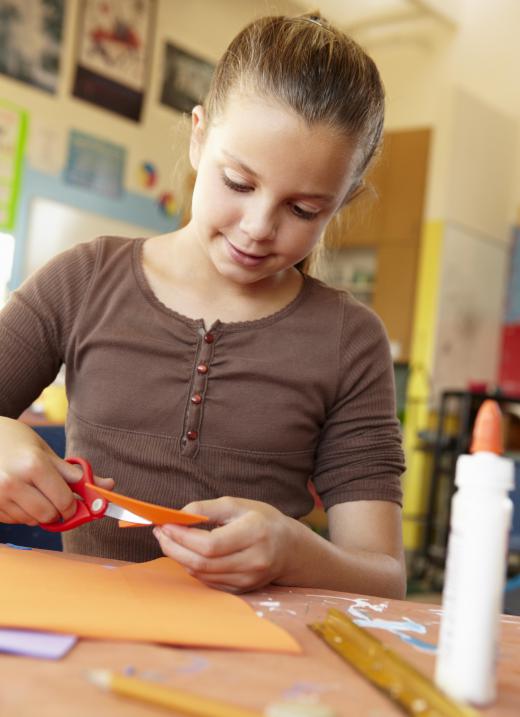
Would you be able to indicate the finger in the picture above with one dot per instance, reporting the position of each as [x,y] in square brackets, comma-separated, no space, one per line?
[16,514]
[186,557]
[249,559]
[233,582]
[107,483]
[72,472]
[219,510]
[56,489]
[4,518]
[38,506]
[224,540]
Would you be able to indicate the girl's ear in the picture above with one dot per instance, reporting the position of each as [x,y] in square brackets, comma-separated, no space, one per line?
[198,130]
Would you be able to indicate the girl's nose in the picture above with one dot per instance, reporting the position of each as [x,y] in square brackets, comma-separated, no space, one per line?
[258,223]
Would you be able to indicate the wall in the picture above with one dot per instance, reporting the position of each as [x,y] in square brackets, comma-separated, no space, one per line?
[463,84]
[199,26]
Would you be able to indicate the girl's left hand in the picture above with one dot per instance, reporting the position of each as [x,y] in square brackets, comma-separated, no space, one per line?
[248,549]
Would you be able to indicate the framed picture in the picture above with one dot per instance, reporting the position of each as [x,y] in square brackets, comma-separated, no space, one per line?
[30,41]
[95,164]
[114,43]
[186,79]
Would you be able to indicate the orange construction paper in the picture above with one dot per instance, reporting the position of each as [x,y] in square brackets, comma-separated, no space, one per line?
[158,514]
[155,601]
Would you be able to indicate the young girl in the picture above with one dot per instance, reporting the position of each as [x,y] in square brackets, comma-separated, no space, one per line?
[205,363]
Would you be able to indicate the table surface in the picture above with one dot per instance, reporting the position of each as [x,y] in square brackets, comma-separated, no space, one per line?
[37,688]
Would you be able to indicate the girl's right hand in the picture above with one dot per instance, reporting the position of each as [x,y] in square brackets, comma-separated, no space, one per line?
[35,483]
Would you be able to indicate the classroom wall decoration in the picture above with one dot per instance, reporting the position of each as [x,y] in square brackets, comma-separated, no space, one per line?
[470,309]
[115,38]
[186,79]
[13,131]
[509,374]
[95,164]
[30,41]
[148,175]
[167,204]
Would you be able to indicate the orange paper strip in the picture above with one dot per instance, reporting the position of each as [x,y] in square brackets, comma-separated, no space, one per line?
[158,514]
[146,602]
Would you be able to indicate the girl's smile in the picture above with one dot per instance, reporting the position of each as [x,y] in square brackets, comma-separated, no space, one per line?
[244,258]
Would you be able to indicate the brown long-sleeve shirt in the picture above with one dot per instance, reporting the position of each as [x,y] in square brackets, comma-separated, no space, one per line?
[176,413]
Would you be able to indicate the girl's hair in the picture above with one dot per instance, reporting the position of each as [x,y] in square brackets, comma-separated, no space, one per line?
[314,69]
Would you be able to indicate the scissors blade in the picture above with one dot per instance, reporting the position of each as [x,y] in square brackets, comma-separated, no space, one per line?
[115,511]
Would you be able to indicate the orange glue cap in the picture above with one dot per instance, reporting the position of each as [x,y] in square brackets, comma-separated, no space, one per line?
[487,431]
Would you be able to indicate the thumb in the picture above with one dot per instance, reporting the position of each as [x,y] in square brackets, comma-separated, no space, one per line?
[72,472]
[219,510]
[107,483]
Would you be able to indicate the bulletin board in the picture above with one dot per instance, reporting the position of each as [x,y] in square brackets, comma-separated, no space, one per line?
[470,310]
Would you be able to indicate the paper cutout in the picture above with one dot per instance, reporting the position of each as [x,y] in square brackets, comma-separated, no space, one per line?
[158,514]
[36,644]
[155,601]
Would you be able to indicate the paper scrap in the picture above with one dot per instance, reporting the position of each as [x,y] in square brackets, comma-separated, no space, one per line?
[157,514]
[30,643]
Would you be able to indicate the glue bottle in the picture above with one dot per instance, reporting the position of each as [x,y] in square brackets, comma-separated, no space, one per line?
[481,513]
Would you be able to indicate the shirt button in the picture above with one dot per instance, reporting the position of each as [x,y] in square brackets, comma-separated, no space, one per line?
[209,338]
[202,368]
[196,398]
[192,435]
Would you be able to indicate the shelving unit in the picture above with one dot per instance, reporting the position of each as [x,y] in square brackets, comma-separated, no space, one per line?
[446,444]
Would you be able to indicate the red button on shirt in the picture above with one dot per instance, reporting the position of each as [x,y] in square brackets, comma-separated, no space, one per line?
[209,338]
[192,435]
[196,398]
[202,368]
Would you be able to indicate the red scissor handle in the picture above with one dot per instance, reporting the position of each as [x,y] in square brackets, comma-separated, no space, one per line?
[90,507]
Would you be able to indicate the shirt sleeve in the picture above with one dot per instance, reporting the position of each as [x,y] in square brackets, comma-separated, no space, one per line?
[360,456]
[35,325]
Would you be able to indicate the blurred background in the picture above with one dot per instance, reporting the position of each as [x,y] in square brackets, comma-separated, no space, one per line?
[94,99]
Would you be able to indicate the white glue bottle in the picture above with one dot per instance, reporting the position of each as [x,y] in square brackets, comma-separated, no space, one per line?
[472,600]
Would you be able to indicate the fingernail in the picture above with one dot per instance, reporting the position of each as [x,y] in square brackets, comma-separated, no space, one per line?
[157,532]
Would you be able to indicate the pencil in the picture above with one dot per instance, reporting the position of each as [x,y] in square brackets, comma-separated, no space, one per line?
[153,693]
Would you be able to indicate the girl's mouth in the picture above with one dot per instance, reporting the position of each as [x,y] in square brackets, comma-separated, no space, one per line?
[241,257]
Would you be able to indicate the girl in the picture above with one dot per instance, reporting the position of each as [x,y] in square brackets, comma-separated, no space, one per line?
[206,363]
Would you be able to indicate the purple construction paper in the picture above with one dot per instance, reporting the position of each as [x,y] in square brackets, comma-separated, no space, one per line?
[32,643]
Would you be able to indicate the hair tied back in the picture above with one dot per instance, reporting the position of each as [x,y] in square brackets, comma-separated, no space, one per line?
[313,18]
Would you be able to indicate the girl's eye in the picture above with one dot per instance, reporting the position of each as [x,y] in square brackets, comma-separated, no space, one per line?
[303,213]
[235,186]
[295,208]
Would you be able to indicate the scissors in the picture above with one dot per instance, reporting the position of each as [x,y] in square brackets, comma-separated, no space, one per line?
[94,502]
[89,505]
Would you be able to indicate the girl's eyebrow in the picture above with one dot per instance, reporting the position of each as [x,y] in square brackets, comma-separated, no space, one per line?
[248,170]
[240,163]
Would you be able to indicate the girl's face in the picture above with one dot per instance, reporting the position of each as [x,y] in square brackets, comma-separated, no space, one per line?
[267,184]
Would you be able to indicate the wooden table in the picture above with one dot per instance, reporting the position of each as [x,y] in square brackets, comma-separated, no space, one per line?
[40,688]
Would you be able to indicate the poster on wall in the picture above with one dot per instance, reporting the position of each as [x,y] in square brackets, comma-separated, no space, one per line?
[113,54]
[30,41]
[95,164]
[13,131]
[186,79]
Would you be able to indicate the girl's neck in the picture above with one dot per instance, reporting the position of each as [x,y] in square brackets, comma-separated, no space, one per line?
[184,279]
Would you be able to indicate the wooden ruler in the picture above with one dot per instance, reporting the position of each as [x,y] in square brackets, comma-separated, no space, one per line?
[411,690]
